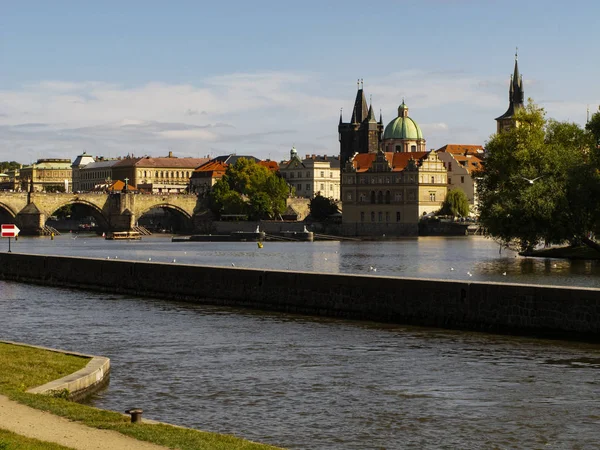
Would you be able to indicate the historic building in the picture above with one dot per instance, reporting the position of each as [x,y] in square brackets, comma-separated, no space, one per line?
[363,133]
[516,98]
[96,175]
[80,162]
[46,175]
[462,163]
[312,175]
[157,175]
[403,134]
[386,193]
[205,176]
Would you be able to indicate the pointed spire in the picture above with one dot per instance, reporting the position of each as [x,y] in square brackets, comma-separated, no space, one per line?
[371,114]
[341,121]
[360,111]
[380,117]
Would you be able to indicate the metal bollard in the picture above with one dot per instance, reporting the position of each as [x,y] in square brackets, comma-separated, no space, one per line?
[136,414]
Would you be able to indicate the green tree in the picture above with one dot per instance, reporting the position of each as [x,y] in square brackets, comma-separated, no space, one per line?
[532,187]
[321,207]
[249,188]
[456,204]
[5,166]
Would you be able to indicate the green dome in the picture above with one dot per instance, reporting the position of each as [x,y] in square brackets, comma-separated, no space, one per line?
[402,127]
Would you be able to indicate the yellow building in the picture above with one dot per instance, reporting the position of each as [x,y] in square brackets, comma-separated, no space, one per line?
[312,175]
[46,175]
[386,193]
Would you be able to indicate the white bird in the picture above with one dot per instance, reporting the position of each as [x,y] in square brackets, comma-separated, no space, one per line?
[529,180]
[174,260]
[370,268]
[149,259]
[504,273]
[232,265]
[470,274]
[185,253]
[325,259]
[554,265]
[116,257]
[108,257]
[374,269]
[451,268]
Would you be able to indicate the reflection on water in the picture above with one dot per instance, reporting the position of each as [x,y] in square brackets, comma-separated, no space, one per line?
[303,382]
[461,258]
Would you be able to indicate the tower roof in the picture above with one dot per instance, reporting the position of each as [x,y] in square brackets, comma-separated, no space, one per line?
[516,93]
[360,111]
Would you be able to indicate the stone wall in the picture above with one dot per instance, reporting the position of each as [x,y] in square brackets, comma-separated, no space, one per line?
[495,307]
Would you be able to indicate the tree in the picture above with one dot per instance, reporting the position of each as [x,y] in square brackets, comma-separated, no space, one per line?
[455,204]
[534,180]
[321,208]
[5,166]
[249,188]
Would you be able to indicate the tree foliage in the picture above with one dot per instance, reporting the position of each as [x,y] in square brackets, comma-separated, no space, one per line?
[5,166]
[251,189]
[322,207]
[455,204]
[539,182]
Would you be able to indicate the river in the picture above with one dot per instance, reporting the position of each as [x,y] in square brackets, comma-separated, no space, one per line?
[314,383]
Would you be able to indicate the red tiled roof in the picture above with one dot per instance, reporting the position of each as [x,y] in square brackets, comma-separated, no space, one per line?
[175,163]
[271,165]
[462,149]
[399,160]
[471,162]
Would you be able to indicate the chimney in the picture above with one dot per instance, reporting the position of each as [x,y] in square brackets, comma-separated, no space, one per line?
[170,154]
[307,156]
[324,156]
[313,156]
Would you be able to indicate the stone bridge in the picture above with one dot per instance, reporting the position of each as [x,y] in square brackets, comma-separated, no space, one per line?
[114,211]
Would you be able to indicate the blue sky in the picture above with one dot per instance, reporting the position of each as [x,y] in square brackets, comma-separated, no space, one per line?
[208,78]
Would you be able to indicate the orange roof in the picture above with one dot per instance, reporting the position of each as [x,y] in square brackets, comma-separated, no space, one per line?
[212,166]
[471,162]
[119,185]
[462,149]
[398,160]
[271,165]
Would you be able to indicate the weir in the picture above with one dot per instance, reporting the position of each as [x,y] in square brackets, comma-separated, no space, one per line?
[568,312]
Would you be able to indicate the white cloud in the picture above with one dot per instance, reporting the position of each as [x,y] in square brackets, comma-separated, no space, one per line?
[258,113]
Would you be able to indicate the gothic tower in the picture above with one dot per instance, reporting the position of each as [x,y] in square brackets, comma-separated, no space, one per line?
[363,133]
[516,98]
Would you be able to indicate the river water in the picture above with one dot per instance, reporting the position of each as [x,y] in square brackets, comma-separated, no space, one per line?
[314,383]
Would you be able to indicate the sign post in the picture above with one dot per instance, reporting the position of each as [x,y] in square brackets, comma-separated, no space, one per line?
[9,230]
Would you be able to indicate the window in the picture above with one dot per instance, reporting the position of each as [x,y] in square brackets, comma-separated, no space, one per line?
[413,148]
[349,196]
[291,174]
[362,216]
[362,198]
[450,166]
[372,216]
[298,187]
[387,216]
[372,196]
[398,197]
[397,216]
[432,180]
[398,148]
[388,197]
[322,187]
[307,174]
[380,216]
[449,180]
[462,179]
[432,196]
[299,174]
[380,197]
[331,187]
[322,174]
[284,175]
[330,174]
[308,187]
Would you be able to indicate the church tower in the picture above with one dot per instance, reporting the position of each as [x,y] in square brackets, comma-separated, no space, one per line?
[516,98]
[363,133]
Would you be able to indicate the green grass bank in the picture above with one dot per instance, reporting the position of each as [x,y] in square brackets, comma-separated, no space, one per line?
[25,367]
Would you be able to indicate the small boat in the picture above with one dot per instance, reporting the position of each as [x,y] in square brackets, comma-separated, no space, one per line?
[123,235]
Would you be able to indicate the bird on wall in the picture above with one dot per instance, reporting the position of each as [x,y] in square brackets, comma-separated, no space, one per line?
[531,181]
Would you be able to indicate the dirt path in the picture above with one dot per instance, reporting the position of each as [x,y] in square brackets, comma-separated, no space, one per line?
[44,426]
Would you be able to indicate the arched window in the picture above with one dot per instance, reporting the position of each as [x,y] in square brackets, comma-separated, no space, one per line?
[372,196]
[432,180]
[372,216]
[388,197]
[380,197]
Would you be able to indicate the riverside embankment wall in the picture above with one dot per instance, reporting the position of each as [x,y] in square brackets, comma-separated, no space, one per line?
[496,307]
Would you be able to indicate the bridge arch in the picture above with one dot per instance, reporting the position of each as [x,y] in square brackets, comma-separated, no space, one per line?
[95,211]
[173,217]
[8,209]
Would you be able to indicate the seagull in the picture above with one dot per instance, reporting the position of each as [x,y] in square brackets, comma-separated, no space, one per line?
[470,274]
[504,273]
[174,260]
[374,269]
[108,257]
[232,265]
[451,268]
[116,257]
[370,268]
[149,259]
[531,181]
[325,259]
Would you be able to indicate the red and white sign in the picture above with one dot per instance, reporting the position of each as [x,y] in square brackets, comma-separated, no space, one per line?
[10,230]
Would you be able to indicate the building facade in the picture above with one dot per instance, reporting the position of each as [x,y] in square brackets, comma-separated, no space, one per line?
[157,175]
[46,175]
[80,162]
[312,175]
[516,99]
[96,175]
[386,193]
[462,163]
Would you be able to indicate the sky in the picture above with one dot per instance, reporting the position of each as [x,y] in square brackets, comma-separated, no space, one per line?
[202,78]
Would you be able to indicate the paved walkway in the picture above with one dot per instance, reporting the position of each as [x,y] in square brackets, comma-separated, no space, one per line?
[44,426]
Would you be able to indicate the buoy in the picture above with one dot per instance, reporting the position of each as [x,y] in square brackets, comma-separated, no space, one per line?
[260,244]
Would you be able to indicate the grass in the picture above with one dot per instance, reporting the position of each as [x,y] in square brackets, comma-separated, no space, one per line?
[583,252]
[25,367]
[12,441]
